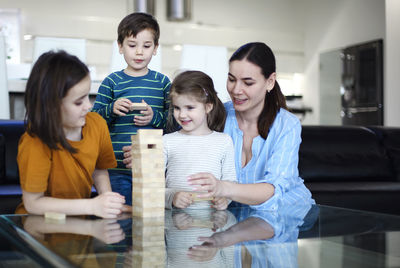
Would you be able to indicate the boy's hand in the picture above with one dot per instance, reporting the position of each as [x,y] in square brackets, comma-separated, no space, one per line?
[145,118]
[121,106]
[182,200]
[127,156]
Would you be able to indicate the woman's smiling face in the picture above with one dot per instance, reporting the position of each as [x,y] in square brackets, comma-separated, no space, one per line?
[247,86]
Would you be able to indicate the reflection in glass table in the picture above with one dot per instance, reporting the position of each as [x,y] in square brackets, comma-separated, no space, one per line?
[316,236]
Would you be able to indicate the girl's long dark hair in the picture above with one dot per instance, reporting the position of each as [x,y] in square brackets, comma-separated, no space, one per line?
[261,55]
[200,86]
[53,74]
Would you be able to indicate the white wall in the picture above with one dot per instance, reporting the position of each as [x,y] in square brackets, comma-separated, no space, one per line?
[296,30]
[332,25]
[392,64]
[4,103]
[221,23]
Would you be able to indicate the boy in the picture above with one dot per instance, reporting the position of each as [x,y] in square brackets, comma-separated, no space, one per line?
[138,35]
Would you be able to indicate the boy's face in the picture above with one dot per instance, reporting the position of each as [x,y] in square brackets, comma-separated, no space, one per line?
[138,52]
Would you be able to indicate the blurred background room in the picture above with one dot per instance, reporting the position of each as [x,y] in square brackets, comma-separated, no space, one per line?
[313,41]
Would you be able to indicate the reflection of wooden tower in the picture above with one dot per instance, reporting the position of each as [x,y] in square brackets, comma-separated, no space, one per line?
[148,244]
[148,177]
[148,199]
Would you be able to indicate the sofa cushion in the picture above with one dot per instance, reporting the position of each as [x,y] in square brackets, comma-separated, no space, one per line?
[345,153]
[390,137]
[12,131]
[2,157]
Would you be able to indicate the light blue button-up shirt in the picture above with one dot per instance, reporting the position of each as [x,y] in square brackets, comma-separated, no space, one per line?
[274,160]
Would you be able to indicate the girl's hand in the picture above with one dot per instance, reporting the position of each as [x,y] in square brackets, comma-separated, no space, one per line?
[182,200]
[182,221]
[108,205]
[220,203]
[206,182]
[127,156]
[145,118]
[121,106]
[108,231]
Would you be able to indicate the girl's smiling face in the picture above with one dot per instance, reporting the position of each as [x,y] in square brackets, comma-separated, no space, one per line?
[191,114]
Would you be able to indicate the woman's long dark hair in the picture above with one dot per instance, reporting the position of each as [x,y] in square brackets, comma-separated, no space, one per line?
[53,74]
[261,55]
[200,86]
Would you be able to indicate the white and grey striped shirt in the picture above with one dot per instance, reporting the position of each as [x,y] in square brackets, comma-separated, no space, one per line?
[186,155]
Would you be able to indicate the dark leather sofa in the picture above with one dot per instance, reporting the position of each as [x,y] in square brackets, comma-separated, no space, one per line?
[346,166]
[10,191]
[353,167]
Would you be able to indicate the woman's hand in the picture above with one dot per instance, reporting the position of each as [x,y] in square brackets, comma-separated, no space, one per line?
[202,253]
[216,240]
[206,182]
[182,200]
[108,205]
[127,156]
[146,117]
[121,106]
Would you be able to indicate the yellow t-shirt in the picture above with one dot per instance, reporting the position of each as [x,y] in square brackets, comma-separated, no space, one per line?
[59,173]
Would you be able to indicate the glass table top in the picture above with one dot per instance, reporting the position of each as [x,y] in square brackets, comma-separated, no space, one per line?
[316,236]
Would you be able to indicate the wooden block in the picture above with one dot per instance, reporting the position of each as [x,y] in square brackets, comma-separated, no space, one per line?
[197,199]
[144,183]
[148,202]
[146,134]
[138,222]
[153,253]
[149,232]
[202,224]
[153,258]
[155,176]
[138,106]
[147,212]
[54,216]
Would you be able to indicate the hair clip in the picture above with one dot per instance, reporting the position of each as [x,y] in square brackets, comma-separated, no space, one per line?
[205,92]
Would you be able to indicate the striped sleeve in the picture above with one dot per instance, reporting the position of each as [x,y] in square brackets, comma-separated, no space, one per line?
[104,102]
[160,117]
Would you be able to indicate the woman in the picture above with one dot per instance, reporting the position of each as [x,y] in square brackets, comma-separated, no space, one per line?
[265,135]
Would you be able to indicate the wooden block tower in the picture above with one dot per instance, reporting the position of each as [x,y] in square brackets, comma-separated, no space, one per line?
[148,176]
[148,199]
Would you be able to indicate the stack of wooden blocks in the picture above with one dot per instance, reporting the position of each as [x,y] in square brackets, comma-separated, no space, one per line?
[148,199]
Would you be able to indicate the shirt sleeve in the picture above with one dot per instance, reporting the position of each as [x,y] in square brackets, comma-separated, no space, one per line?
[34,164]
[281,168]
[160,117]
[104,102]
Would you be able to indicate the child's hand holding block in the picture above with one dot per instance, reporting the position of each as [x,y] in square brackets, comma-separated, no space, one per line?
[138,106]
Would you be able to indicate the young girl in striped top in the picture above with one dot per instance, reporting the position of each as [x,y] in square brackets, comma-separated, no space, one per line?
[199,145]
